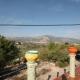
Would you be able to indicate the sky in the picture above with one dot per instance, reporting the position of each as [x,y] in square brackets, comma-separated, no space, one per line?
[40,12]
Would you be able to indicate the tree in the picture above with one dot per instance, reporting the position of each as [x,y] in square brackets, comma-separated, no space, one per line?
[56,53]
[8,51]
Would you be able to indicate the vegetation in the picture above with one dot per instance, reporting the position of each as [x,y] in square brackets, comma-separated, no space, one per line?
[54,52]
[8,51]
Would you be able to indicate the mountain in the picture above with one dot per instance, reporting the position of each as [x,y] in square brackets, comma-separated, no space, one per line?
[45,39]
[63,39]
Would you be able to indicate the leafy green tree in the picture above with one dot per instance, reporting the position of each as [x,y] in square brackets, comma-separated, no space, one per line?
[8,51]
[56,53]
[59,54]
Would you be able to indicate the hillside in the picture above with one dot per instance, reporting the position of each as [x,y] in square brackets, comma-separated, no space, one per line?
[45,39]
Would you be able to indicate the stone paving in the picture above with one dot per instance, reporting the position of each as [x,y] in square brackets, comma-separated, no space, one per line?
[52,71]
[45,70]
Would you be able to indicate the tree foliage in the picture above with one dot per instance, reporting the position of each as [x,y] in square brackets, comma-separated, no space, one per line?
[8,51]
[56,53]
[52,52]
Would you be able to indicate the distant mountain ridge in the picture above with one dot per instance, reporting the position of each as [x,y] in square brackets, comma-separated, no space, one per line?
[45,38]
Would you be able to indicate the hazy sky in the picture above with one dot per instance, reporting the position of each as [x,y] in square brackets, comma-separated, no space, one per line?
[40,12]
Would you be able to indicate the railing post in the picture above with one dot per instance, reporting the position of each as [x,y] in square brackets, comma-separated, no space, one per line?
[31,57]
[72,52]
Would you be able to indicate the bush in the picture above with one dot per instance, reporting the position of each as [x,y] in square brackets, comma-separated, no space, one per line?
[61,64]
[8,51]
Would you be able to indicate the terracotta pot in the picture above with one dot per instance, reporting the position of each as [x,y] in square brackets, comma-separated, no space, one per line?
[72,50]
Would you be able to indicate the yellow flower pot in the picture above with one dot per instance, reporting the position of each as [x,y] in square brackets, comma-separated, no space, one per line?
[31,55]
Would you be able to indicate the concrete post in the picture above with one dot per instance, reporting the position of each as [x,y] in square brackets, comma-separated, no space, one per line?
[72,66]
[31,69]
[31,57]
[72,52]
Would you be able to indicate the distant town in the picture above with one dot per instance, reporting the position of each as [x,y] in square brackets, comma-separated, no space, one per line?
[45,39]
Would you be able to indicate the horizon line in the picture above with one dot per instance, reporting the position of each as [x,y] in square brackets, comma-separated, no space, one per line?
[40,36]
